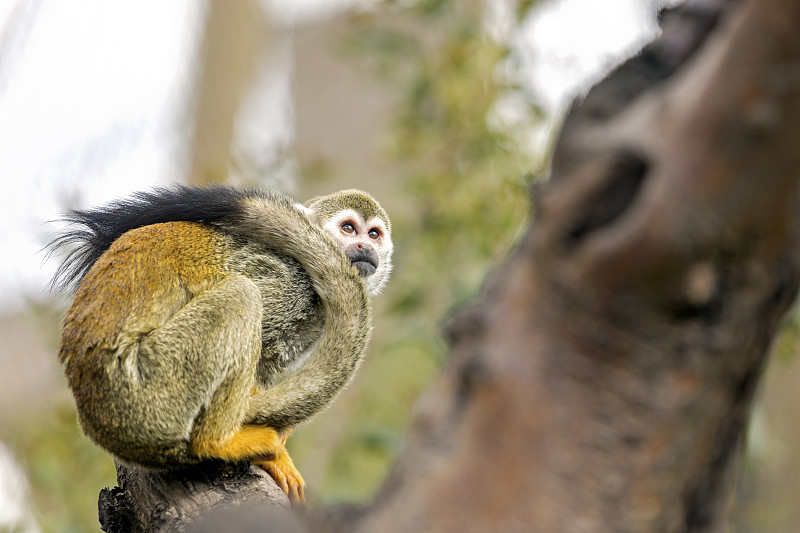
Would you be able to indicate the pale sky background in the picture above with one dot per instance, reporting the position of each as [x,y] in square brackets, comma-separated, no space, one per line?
[89,92]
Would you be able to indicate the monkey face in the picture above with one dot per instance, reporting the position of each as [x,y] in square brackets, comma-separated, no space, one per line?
[366,243]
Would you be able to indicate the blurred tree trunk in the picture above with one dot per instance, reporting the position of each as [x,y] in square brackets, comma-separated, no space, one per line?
[603,380]
[236,36]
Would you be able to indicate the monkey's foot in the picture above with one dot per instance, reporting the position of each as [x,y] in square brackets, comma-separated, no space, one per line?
[262,445]
[244,443]
[285,474]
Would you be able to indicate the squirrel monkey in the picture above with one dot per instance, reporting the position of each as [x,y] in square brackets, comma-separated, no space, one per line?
[192,302]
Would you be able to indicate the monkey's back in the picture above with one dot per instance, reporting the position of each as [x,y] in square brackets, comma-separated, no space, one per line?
[141,408]
[139,283]
[126,400]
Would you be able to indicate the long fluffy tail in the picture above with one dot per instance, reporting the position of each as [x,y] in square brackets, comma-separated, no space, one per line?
[348,316]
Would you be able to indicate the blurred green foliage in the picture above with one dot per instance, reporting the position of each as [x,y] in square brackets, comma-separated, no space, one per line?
[463,185]
[768,476]
[463,180]
[65,470]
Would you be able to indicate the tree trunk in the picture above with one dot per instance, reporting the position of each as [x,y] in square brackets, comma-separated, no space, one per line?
[603,380]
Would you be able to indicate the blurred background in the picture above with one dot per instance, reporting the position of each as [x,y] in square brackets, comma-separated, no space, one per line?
[443,109]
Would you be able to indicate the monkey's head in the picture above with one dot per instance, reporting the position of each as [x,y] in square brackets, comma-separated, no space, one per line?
[363,230]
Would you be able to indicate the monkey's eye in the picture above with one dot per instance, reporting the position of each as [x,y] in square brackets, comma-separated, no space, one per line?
[348,227]
[374,233]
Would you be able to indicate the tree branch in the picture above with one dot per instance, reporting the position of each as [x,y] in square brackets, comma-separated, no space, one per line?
[152,501]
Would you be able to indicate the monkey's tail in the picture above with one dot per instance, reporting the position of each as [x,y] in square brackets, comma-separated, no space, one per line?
[348,314]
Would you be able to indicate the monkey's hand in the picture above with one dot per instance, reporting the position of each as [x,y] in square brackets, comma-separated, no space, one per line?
[285,474]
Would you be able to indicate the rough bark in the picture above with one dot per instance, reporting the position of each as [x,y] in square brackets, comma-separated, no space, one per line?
[603,379]
[191,499]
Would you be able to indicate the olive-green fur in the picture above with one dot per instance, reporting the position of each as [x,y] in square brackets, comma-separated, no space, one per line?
[180,330]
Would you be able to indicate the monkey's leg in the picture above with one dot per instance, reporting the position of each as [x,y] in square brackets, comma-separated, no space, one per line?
[201,367]
[218,431]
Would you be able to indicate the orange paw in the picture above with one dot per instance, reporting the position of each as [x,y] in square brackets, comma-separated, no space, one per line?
[244,443]
[264,447]
[286,475]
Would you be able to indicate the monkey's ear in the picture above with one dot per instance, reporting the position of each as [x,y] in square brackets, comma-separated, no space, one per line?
[306,211]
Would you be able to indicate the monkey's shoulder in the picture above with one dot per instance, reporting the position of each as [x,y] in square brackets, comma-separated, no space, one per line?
[293,314]
[284,284]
